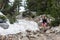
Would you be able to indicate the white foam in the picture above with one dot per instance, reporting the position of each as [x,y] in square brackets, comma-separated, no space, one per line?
[21,26]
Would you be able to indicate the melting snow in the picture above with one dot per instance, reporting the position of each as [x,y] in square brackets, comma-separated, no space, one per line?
[20,26]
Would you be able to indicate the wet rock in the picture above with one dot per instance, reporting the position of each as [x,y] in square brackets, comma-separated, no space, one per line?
[28,31]
[4,25]
[1,21]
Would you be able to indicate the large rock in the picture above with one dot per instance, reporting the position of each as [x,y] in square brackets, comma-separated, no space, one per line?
[4,25]
[56,29]
[1,21]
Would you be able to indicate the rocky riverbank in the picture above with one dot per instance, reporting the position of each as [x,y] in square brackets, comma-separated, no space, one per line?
[31,35]
[51,34]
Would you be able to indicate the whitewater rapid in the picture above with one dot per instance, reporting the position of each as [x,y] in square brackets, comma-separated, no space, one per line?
[19,26]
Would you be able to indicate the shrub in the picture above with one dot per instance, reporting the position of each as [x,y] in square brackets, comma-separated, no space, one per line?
[54,23]
[2,17]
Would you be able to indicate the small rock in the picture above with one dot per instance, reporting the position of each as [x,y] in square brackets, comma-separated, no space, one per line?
[48,31]
[25,38]
[4,25]
[33,38]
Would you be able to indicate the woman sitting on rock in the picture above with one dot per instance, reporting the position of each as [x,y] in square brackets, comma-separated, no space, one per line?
[44,21]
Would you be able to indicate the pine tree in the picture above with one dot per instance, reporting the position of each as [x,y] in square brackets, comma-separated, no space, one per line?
[37,5]
[8,10]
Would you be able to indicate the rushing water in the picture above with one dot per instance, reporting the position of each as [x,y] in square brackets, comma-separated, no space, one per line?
[23,3]
[20,26]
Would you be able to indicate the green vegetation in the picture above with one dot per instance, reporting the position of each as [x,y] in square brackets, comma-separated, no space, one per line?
[2,17]
[50,7]
[10,11]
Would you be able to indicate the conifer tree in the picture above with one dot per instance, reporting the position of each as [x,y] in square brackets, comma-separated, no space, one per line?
[8,10]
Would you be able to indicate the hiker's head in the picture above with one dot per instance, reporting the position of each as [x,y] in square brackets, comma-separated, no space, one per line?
[43,16]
